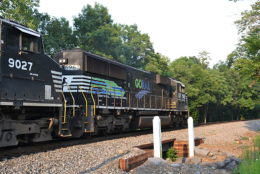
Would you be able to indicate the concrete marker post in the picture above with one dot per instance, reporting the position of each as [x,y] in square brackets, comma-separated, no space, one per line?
[157,141]
[191,137]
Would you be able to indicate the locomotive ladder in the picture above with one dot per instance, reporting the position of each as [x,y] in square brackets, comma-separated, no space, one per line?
[89,120]
[64,130]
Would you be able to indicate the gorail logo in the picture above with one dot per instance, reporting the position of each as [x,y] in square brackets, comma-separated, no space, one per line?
[142,84]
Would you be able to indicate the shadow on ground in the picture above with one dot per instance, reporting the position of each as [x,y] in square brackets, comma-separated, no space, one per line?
[253,125]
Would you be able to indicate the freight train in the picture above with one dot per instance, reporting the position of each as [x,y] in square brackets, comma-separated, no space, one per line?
[76,93]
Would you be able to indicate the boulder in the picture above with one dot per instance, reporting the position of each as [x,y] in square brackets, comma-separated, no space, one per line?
[193,160]
[201,152]
[155,161]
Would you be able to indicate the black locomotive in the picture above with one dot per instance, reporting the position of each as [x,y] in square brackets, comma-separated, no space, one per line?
[76,93]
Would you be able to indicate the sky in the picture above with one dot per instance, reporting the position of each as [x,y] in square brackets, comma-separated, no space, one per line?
[176,27]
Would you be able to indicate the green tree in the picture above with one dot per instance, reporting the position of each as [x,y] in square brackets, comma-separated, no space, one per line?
[106,41]
[97,33]
[58,35]
[158,64]
[206,88]
[88,21]
[248,51]
[244,62]
[240,98]
[23,11]
[137,47]
[204,58]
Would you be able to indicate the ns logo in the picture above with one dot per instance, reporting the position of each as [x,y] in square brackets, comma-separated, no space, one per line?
[142,84]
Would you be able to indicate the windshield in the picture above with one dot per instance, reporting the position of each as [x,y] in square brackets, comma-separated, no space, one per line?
[29,43]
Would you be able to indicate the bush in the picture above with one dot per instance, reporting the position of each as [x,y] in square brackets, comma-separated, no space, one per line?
[171,154]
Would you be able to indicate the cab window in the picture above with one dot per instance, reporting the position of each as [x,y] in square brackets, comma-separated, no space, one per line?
[179,86]
[29,43]
[183,90]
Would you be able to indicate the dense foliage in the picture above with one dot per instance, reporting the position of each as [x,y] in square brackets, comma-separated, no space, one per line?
[229,90]
[23,11]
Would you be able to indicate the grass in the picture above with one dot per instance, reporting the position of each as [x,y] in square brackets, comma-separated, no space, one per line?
[244,138]
[250,159]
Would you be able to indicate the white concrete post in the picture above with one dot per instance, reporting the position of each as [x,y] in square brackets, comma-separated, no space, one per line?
[157,141]
[191,136]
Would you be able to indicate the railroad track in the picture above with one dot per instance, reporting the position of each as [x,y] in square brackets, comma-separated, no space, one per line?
[11,152]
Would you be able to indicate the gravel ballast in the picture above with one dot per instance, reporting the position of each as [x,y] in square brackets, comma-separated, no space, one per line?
[103,156]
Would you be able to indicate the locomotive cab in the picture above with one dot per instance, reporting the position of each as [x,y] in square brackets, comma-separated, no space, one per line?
[26,73]
[30,86]
[179,97]
[182,97]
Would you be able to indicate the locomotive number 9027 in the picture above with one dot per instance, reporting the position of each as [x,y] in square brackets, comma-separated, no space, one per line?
[18,64]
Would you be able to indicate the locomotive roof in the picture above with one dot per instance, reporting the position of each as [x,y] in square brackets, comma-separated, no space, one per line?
[105,59]
[20,27]
[121,64]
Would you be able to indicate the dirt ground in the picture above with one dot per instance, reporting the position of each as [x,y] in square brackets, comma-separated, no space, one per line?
[227,139]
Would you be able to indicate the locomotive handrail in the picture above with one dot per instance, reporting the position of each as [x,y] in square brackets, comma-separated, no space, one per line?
[144,101]
[129,97]
[106,97]
[73,102]
[0,37]
[86,101]
[155,101]
[162,100]
[94,103]
[97,100]
[114,98]
[65,108]
[150,101]
[121,100]
[137,101]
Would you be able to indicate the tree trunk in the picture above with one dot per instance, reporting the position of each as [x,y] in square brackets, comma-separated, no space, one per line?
[205,117]
[205,114]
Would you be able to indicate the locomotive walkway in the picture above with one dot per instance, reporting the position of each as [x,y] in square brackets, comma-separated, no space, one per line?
[100,155]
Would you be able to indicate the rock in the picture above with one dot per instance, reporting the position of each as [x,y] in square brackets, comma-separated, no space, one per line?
[176,165]
[211,154]
[231,165]
[237,160]
[232,159]
[193,160]
[213,157]
[180,160]
[201,152]
[168,159]
[227,160]
[120,151]
[238,141]
[155,161]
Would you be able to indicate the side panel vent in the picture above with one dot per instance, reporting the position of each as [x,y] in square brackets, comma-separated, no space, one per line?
[117,72]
